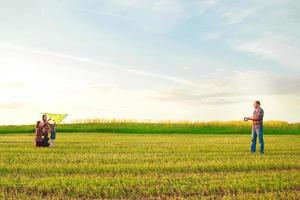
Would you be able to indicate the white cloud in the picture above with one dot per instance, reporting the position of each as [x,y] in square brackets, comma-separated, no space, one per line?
[51,53]
[10,84]
[111,14]
[187,68]
[236,86]
[205,6]
[277,49]
[163,77]
[158,16]
[234,16]
[227,13]
[224,14]
[14,105]
[211,35]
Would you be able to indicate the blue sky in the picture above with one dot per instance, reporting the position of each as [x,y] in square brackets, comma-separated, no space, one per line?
[159,59]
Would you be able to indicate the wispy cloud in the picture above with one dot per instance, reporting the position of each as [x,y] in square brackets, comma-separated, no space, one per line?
[110,14]
[205,6]
[234,16]
[89,61]
[277,49]
[158,16]
[11,106]
[225,15]
[185,95]
[225,87]
[234,89]
[163,77]
[51,53]
[12,85]
[211,35]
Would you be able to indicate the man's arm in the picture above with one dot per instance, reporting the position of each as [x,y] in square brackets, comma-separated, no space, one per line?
[256,117]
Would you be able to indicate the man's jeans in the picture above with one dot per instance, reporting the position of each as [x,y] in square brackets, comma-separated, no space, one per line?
[257,132]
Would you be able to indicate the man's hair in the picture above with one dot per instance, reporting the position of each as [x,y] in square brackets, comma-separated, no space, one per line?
[258,102]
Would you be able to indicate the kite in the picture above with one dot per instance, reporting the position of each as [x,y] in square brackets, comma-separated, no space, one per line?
[55,118]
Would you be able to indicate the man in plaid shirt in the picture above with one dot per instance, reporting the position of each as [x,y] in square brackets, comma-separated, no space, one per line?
[257,128]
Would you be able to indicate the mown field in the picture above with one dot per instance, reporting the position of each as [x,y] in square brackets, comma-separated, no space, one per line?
[149,166]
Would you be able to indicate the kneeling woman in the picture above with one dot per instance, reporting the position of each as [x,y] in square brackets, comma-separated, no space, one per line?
[38,134]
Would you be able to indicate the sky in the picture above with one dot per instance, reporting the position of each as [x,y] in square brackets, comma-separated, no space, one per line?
[198,60]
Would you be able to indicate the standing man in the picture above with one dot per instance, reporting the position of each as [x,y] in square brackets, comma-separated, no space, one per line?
[257,128]
[46,129]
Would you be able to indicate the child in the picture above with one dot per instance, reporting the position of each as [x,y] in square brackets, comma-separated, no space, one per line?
[38,133]
[53,134]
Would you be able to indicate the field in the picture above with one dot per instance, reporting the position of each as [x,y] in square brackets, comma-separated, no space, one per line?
[149,166]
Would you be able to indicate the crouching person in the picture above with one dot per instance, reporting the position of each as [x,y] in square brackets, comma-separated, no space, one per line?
[46,129]
[45,141]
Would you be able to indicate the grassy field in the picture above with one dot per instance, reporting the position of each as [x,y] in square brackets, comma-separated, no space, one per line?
[149,166]
[169,127]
